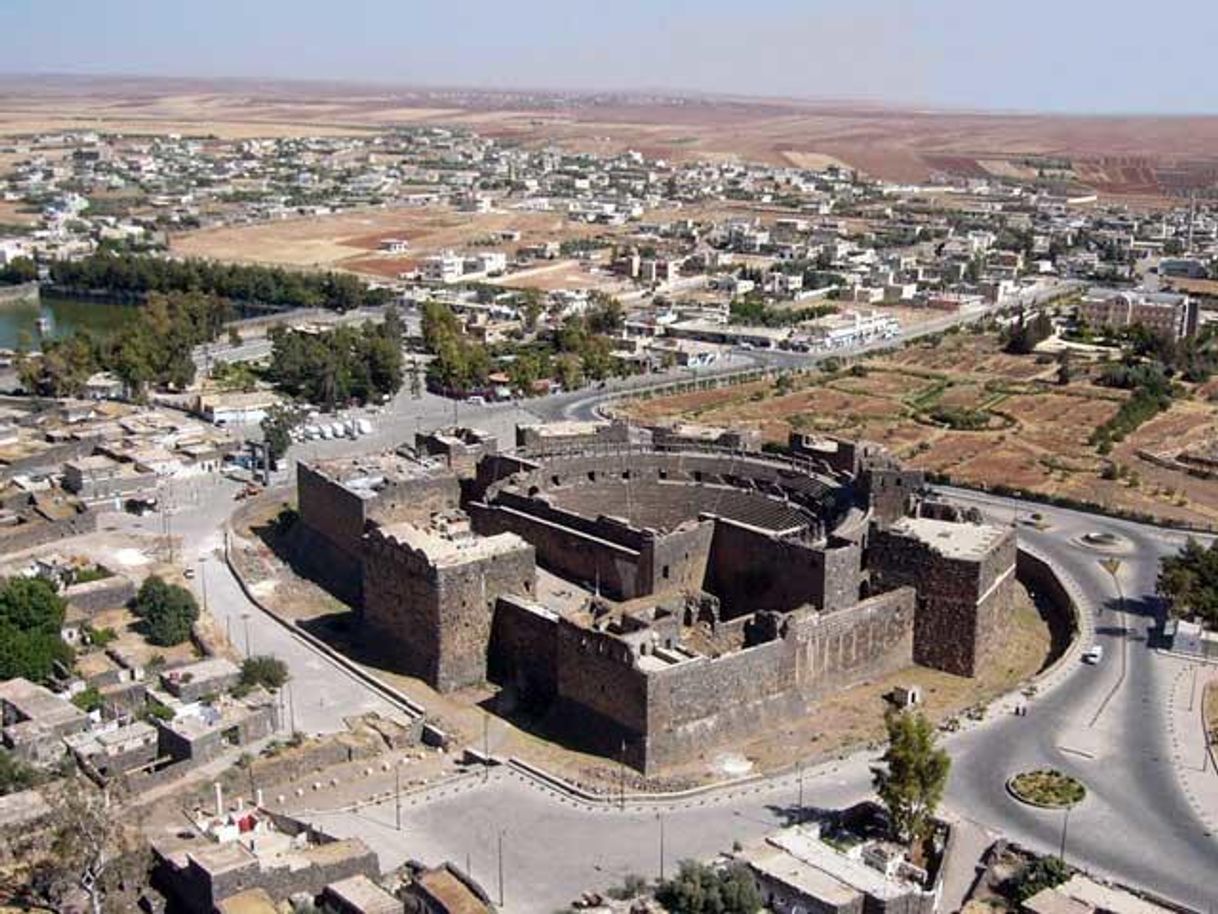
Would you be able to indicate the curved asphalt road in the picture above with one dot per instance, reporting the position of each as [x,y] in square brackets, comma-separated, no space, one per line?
[1105,724]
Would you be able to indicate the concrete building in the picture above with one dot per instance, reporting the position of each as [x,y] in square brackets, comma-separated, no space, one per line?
[256,853]
[359,895]
[36,720]
[200,733]
[1168,314]
[236,407]
[98,477]
[191,682]
[798,873]
[446,267]
[445,890]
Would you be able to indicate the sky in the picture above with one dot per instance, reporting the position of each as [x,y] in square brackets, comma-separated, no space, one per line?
[1086,56]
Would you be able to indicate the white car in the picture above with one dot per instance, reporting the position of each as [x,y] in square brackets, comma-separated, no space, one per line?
[1094,654]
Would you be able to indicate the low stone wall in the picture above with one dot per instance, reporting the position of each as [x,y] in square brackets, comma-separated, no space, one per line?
[39,533]
[1038,576]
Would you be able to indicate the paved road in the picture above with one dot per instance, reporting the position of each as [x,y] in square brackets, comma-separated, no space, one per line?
[320,694]
[1106,724]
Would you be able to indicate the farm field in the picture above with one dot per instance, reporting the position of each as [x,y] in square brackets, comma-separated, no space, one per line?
[1033,434]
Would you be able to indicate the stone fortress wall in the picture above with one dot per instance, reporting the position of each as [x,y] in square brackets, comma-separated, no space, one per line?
[733,550]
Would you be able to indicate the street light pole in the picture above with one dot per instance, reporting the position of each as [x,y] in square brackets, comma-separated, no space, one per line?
[621,781]
[397,794]
[203,581]
[1065,828]
[800,807]
[486,746]
[660,818]
[500,867]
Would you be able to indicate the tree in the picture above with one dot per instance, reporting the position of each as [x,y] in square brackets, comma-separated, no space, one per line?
[699,889]
[1189,582]
[1042,873]
[263,670]
[91,847]
[912,783]
[168,611]
[31,616]
[1065,372]
[277,428]
[18,270]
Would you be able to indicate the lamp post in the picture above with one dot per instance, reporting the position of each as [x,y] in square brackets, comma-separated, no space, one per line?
[660,819]
[1065,829]
[500,862]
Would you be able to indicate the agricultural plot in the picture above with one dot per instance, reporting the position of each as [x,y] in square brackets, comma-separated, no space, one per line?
[965,411]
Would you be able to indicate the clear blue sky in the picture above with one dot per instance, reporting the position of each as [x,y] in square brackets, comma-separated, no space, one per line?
[1048,55]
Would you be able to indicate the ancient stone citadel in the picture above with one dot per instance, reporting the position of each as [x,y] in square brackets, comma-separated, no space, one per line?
[659,590]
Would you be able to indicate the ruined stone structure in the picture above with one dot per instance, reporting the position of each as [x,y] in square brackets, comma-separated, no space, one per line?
[965,575]
[712,593]
[419,581]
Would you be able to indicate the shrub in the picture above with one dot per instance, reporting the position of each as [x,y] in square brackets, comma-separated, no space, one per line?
[268,672]
[168,611]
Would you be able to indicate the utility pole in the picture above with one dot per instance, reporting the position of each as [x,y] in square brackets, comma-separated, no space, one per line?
[800,806]
[660,819]
[1065,828]
[622,777]
[486,746]
[245,617]
[397,794]
[203,581]
[501,867]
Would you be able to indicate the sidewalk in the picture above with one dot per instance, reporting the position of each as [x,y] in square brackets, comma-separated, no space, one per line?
[1190,753]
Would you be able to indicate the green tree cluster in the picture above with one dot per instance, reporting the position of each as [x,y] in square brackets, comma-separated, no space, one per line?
[277,428]
[1188,581]
[460,364]
[914,776]
[263,670]
[17,271]
[31,618]
[1042,873]
[337,366]
[1026,335]
[132,274]
[700,889]
[154,350]
[168,611]
[757,313]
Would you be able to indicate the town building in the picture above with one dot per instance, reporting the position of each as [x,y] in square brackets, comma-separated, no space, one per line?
[1168,314]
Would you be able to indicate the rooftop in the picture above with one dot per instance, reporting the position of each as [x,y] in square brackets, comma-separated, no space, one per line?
[814,861]
[362,894]
[453,894]
[446,551]
[365,475]
[951,539]
[33,702]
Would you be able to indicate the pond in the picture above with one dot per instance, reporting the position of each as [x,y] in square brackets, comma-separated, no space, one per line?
[61,317]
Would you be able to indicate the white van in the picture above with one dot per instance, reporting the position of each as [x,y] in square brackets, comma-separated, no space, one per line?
[1094,654]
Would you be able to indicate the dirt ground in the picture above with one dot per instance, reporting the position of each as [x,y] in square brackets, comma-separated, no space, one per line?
[350,240]
[1037,438]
